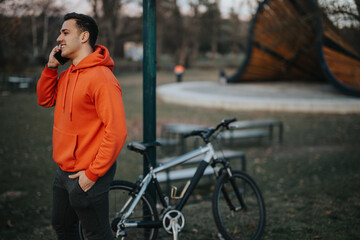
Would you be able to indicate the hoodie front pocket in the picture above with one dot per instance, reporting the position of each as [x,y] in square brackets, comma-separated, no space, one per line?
[64,147]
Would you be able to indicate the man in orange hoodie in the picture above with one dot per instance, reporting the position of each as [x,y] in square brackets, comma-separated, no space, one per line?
[89,129]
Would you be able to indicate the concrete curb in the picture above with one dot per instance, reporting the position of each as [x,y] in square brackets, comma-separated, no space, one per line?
[284,97]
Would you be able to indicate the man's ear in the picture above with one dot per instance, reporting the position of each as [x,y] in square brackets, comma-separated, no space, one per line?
[85,36]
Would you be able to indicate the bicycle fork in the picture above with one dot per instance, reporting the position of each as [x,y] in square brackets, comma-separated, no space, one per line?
[237,193]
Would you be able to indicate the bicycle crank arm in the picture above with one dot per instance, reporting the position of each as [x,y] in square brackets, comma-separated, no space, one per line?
[149,224]
[175,229]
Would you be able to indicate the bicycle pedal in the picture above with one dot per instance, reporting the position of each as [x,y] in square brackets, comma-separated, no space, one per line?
[121,234]
[220,236]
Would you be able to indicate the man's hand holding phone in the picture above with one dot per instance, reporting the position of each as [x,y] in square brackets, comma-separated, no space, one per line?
[61,60]
[55,58]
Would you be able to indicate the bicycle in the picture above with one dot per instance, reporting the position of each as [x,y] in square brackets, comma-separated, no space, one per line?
[237,204]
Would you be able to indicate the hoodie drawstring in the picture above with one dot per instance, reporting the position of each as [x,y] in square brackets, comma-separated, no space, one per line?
[72,90]
[66,86]
[72,94]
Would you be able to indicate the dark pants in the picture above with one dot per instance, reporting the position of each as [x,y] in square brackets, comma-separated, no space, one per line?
[71,203]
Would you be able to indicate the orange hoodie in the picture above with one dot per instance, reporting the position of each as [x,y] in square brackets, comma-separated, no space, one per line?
[89,121]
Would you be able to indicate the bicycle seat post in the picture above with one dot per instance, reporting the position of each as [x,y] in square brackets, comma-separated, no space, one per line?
[147,160]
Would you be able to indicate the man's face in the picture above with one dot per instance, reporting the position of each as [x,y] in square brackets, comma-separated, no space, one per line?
[69,39]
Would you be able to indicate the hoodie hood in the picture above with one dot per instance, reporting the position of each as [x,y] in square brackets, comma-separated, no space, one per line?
[100,57]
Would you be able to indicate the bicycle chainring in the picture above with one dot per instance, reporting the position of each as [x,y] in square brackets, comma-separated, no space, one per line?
[171,218]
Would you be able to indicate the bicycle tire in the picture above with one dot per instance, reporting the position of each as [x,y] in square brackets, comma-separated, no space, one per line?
[119,193]
[247,223]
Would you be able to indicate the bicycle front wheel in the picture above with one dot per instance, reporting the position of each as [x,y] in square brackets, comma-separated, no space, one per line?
[238,207]
[145,211]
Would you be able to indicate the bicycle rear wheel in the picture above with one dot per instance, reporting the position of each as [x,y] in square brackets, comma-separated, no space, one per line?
[119,194]
[236,218]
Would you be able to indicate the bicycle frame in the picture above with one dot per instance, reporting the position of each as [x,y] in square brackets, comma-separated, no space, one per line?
[209,152]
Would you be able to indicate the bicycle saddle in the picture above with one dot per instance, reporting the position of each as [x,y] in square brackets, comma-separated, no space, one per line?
[141,147]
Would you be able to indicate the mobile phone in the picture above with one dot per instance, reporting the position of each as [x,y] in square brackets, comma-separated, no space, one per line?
[62,60]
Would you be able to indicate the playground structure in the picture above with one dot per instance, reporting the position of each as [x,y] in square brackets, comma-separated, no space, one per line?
[292,40]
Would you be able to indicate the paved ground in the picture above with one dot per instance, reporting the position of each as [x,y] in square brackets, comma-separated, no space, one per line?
[274,96]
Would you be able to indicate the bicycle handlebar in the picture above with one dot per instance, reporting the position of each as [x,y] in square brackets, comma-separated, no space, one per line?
[225,123]
[197,132]
[205,134]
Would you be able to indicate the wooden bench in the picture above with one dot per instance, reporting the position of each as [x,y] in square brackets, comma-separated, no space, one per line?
[232,135]
[245,129]
[187,173]
[238,130]
[20,82]
[173,134]
[180,174]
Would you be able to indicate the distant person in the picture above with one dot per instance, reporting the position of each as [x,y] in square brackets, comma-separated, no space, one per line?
[179,71]
[89,129]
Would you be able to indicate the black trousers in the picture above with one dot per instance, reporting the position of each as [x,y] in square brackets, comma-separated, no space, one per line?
[71,204]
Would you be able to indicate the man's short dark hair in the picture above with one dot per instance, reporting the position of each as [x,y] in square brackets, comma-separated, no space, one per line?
[85,23]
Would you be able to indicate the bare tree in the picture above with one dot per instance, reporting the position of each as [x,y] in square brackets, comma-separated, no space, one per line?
[235,27]
[210,21]
[169,28]
[164,14]
[346,16]
[94,6]
[341,11]
[24,16]
[194,26]
[110,20]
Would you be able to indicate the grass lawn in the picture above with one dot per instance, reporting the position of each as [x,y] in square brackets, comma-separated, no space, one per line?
[310,183]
